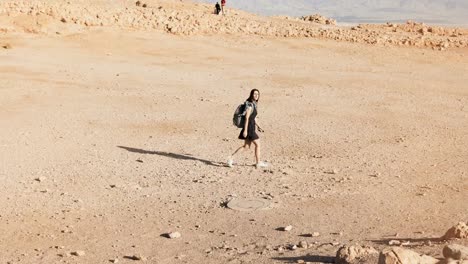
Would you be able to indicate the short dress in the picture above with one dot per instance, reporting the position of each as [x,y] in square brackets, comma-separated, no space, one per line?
[251,134]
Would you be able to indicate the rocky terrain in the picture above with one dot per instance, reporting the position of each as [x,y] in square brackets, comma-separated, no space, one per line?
[64,17]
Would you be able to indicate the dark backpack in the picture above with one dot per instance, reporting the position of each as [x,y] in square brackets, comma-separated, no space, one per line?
[238,119]
[239,116]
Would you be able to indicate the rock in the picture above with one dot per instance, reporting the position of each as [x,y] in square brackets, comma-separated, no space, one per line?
[138,3]
[397,255]
[460,230]
[303,244]
[356,254]
[394,243]
[40,179]
[287,228]
[456,252]
[319,19]
[7,46]
[173,235]
[78,253]
[315,234]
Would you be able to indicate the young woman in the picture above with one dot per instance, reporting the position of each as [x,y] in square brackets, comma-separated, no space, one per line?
[248,133]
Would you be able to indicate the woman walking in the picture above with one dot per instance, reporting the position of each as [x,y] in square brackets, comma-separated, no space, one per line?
[248,133]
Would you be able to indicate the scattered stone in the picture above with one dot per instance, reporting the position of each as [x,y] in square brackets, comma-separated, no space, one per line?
[398,255]
[303,244]
[116,260]
[460,230]
[40,179]
[394,242]
[319,19]
[78,253]
[173,235]
[287,228]
[138,3]
[356,254]
[456,252]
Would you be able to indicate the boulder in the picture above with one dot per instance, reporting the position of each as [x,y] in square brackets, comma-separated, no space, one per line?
[460,230]
[356,254]
[397,255]
[454,251]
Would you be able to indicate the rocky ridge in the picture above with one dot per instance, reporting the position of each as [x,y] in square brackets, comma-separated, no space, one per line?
[63,17]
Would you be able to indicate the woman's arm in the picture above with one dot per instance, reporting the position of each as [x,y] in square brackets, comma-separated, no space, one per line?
[246,123]
[258,126]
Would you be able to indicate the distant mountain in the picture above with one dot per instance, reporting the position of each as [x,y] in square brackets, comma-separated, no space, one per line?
[431,11]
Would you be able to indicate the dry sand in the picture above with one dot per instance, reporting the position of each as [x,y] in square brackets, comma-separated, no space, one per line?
[111,137]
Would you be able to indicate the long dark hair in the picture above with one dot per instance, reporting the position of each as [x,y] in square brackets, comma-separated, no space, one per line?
[251,97]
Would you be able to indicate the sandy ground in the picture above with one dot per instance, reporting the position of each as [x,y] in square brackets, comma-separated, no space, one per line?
[111,138]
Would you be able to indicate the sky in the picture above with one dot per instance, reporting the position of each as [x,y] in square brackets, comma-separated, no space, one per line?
[446,12]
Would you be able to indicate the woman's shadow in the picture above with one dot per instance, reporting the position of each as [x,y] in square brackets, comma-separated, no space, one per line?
[173,155]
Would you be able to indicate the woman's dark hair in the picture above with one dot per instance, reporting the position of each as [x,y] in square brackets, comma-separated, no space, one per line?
[251,97]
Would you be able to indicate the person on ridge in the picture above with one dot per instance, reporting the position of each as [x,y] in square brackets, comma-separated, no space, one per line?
[217,8]
[223,3]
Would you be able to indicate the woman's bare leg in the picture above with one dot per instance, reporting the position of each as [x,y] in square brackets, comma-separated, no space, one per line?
[245,146]
[257,150]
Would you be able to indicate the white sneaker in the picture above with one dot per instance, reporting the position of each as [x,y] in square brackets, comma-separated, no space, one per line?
[261,164]
[230,162]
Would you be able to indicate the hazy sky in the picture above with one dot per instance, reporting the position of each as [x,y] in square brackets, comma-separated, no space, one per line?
[430,11]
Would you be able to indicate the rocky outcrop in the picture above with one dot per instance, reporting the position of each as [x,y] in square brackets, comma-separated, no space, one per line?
[68,17]
[397,255]
[319,19]
[459,230]
[456,252]
[356,255]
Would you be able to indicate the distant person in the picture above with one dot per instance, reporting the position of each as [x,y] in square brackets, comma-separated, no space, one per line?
[248,133]
[217,8]
[223,3]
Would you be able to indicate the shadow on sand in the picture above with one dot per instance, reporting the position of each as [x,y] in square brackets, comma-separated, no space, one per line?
[413,242]
[173,155]
[307,258]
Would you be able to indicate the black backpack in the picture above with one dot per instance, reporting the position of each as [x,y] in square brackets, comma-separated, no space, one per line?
[239,116]
[238,119]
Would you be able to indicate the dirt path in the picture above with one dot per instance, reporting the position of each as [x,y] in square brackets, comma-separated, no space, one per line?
[110,139]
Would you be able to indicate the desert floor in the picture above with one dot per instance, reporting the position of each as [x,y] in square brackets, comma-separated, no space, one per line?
[110,139]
